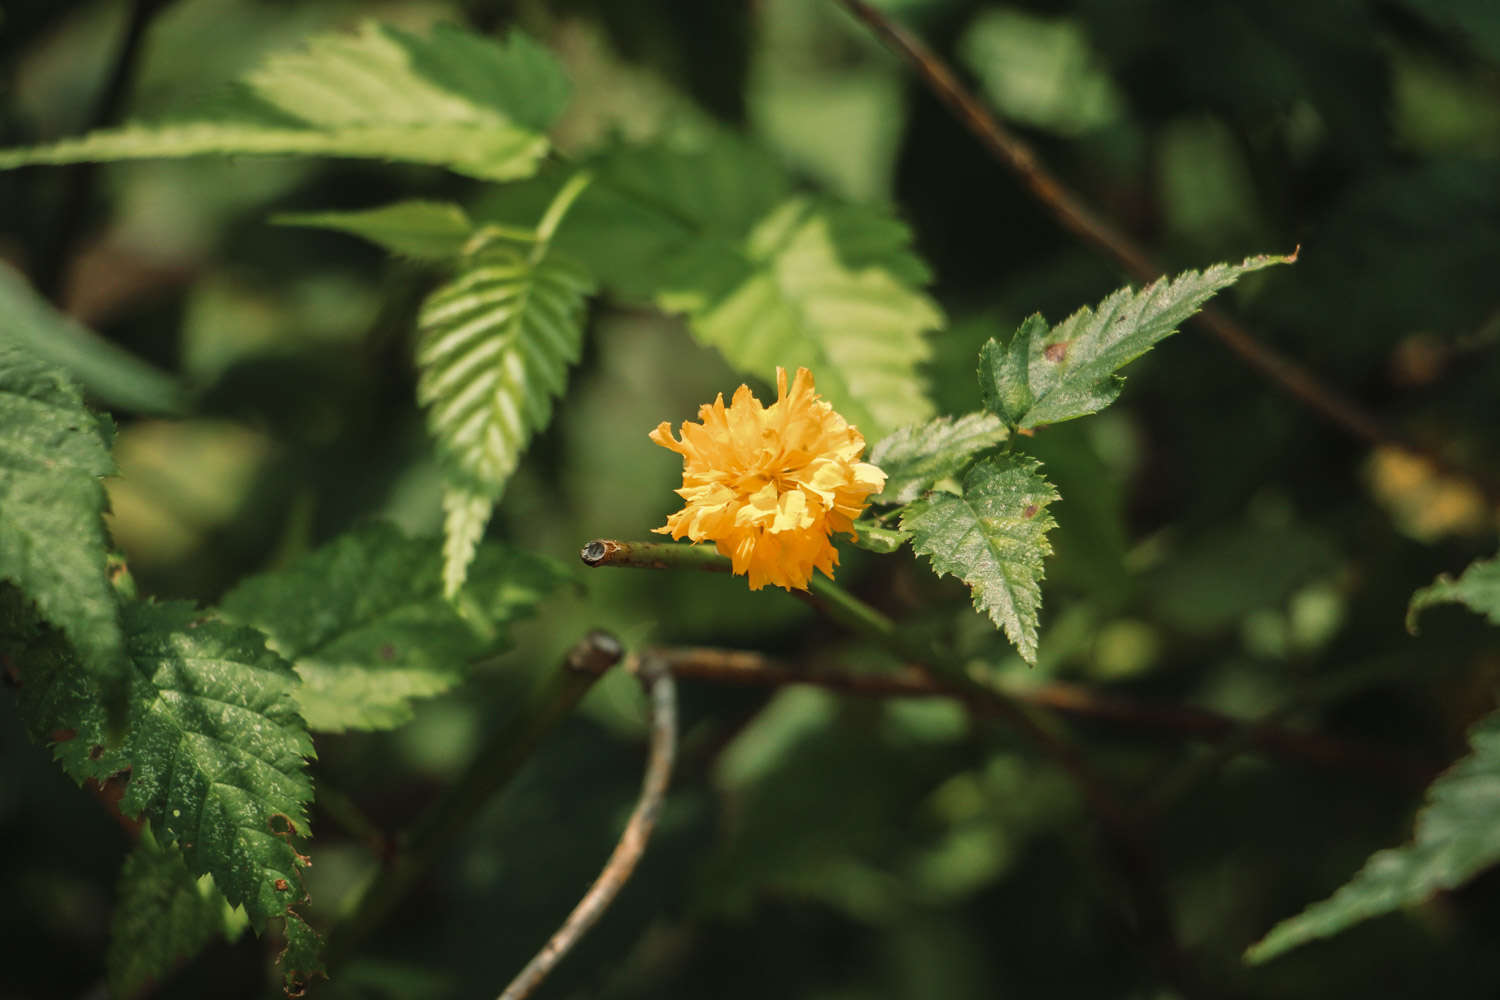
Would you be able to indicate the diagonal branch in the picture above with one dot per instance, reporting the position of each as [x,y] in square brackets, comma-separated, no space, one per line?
[1078,218]
[657,679]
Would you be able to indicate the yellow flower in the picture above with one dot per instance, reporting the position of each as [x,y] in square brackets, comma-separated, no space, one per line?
[769,484]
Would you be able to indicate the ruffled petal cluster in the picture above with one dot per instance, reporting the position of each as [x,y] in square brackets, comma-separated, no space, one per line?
[769,485]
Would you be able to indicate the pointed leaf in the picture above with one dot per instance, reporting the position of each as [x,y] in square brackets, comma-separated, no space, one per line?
[1004,379]
[301,960]
[164,915]
[493,353]
[364,622]
[115,377]
[1457,836]
[1478,589]
[214,752]
[918,455]
[994,538]
[423,230]
[1044,377]
[450,99]
[873,537]
[52,542]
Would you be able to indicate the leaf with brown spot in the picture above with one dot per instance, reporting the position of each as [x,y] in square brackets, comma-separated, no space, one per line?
[1046,375]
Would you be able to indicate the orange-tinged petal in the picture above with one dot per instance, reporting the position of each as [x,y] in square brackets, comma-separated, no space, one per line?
[769,485]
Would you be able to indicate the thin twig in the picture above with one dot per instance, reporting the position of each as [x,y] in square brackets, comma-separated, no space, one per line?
[489,772]
[80,177]
[659,685]
[1078,218]
[729,666]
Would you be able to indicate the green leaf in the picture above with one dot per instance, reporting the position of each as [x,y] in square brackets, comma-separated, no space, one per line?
[301,960]
[493,352]
[450,99]
[796,299]
[214,752]
[1045,376]
[164,915]
[874,537]
[1457,836]
[918,455]
[364,621]
[1478,589]
[422,230]
[52,542]
[994,538]
[116,378]
[767,277]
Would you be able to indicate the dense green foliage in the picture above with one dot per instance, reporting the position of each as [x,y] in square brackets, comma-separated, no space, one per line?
[364,342]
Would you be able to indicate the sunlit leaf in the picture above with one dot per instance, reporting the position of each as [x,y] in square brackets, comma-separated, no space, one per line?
[767,277]
[451,99]
[493,353]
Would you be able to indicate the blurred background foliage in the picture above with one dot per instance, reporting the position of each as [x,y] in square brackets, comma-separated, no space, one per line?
[1217,545]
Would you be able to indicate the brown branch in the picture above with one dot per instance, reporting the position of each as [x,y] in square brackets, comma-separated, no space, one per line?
[659,685]
[727,666]
[1078,218]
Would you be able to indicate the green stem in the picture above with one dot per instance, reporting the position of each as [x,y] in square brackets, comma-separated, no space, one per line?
[488,773]
[832,600]
[563,201]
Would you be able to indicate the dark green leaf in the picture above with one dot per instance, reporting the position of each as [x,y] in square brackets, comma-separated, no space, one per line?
[52,541]
[364,621]
[164,915]
[919,455]
[1457,837]
[301,960]
[994,538]
[450,99]
[115,377]
[424,230]
[1046,376]
[1478,589]
[214,752]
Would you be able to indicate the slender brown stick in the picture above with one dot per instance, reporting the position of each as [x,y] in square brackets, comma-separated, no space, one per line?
[659,685]
[489,772]
[730,666]
[1075,215]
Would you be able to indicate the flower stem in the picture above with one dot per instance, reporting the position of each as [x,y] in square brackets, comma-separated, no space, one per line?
[828,597]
